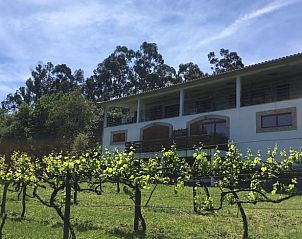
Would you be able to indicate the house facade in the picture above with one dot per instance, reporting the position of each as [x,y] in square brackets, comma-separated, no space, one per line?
[256,107]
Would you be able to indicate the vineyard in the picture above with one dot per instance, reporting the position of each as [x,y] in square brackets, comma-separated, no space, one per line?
[168,216]
[117,195]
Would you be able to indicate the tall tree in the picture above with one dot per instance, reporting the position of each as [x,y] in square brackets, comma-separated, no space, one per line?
[113,77]
[52,124]
[229,61]
[58,119]
[189,71]
[15,130]
[126,72]
[45,79]
[150,69]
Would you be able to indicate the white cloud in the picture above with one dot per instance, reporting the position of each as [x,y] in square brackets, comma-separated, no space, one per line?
[238,23]
[11,78]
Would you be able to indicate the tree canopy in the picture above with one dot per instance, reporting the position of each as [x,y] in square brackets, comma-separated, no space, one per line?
[126,72]
[52,124]
[45,79]
[229,61]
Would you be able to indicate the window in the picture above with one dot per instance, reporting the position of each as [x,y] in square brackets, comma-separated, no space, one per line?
[276,120]
[209,130]
[179,133]
[118,137]
[209,127]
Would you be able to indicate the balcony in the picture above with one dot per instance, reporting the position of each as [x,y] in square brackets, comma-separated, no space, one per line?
[121,120]
[271,88]
[181,143]
[160,112]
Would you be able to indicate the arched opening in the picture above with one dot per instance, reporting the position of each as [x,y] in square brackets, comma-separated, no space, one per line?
[212,130]
[156,132]
[156,136]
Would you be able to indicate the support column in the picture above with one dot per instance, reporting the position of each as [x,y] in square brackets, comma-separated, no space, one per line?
[138,110]
[181,102]
[105,117]
[238,92]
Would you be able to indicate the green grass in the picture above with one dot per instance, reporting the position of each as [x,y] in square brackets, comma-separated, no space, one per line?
[168,216]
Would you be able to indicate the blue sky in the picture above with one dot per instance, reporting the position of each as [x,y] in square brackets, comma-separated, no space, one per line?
[81,33]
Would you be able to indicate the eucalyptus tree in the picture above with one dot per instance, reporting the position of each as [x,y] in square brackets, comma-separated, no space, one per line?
[45,79]
[189,71]
[113,77]
[126,71]
[229,61]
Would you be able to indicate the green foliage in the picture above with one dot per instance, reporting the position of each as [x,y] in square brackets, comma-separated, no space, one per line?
[229,168]
[189,71]
[130,170]
[202,164]
[80,143]
[175,168]
[84,167]
[57,122]
[15,130]
[240,178]
[126,72]
[5,172]
[45,79]
[229,61]
[23,169]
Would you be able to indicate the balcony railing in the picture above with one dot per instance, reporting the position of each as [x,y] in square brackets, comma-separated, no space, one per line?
[181,143]
[120,120]
[160,112]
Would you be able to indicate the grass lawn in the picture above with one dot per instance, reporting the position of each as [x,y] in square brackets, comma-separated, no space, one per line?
[169,216]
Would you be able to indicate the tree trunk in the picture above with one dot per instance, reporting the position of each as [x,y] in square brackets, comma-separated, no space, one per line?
[243,216]
[24,187]
[67,207]
[138,217]
[4,195]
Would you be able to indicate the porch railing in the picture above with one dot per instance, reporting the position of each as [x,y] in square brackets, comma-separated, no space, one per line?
[181,143]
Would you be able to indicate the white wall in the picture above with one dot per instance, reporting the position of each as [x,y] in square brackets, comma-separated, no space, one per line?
[242,127]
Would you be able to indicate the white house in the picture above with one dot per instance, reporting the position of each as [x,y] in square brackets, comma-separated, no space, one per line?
[256,107]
